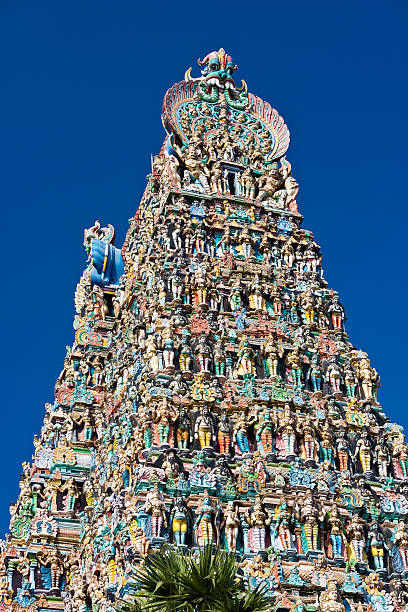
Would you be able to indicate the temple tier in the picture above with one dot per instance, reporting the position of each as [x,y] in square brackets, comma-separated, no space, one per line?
[211,394]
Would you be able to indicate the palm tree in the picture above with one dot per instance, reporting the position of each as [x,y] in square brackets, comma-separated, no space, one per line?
[207,582]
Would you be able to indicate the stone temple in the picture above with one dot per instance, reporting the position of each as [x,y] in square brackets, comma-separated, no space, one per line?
[212,394]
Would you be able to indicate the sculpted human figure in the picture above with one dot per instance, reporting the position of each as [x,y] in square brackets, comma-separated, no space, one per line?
[270,353]
[165,416]
[381,458]
[264,433]
[315,374]
[241,431]
[203,526]
[367,376]
[400,456]
[204,430]
[355,532]
[179,521]
[307,303]
[293,363]
[309,443]
[231,524]
[225,432]
[258,518]
[282,526]
[400,541]
[334,375]
[219,359]
[376,544]
[155,506]
[335,531]
[183,430]
[52,558]
[72,494]
[342,451]
[287,430]
[269,182]
[363,451]
[309,514]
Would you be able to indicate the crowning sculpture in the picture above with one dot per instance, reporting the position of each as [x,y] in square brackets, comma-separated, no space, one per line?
[211,394]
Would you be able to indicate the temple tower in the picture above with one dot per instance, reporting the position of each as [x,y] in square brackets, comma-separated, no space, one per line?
[212,394]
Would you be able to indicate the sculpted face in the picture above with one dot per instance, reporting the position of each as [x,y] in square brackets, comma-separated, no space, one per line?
[218,69]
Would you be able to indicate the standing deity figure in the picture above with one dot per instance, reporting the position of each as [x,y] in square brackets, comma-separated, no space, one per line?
[307,303]
[271,356]
[204,430]
[219,359]
[241,431]
[326,444]
[335,532]
[336,311]
[282,527]
[381,458]
[224,434]
[258,519]
[200,239]
[315,374]
[231,523]
[400,457]
[334,375]
[342,451]
[165,415]
[53,559]
[155,506]
[245,358]
[72,494]
[203,526]
[224,244]
[275,297]
[363,451]
[309,445]
[201,283]
[248,184]
[287,431]
[367,377]
[183,430]
[288,254]
[151,354]
[203,354]
[176,284]
[376,546]
[309,515]
[312,257]
[168,347]
[256,300]
[179,521]
[264,434]
[355,532]
[216,178]
[247,242]
[350,381]
[185,354]
[235,299]
[293,363]
[400,541]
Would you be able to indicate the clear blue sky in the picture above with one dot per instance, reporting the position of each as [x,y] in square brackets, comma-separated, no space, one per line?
[81,91]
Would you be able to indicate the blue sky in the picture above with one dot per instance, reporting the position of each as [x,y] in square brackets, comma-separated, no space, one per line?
[81,90]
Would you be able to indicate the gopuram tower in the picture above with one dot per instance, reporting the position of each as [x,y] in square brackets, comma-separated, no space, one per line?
[212,394]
